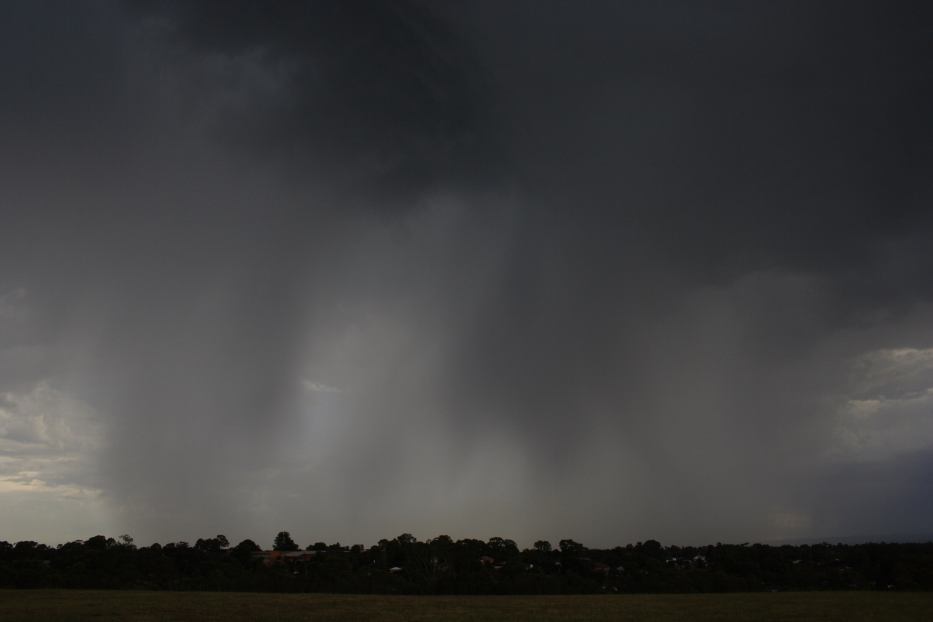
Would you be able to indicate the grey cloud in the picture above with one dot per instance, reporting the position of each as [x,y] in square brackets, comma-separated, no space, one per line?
[381,96]
[532,269]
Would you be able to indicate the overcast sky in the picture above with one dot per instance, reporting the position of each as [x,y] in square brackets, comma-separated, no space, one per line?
[607,270]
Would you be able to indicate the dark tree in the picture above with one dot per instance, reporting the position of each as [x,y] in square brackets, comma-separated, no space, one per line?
[570,546]
[284,542]
[502,547]
[243,552]
[442,566]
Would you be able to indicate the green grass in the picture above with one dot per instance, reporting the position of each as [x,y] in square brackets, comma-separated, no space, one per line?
[17,605]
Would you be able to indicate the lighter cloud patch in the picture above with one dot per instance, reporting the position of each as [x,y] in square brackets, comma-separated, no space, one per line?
[889,410]
[319,387]
[45,417]
[23,483]
[894,372]
[48,443]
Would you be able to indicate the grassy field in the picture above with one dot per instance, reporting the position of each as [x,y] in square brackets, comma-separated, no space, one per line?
[16,605]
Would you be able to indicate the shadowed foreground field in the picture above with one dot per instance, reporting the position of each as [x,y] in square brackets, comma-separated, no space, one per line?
[118,605]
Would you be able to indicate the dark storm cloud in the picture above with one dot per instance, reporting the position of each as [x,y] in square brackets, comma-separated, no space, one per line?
[381,95]
[754,135]
[672,146]
[532,269]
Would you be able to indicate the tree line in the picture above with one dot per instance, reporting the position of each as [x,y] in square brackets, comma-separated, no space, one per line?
[441,565]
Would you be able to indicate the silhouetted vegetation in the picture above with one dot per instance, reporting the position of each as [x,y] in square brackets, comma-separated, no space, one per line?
[441,565]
